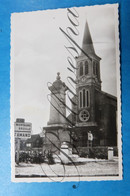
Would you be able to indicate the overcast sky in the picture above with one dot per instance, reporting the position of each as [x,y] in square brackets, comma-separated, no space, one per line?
[38,53]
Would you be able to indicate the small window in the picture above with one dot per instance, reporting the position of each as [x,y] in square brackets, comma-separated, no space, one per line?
[86,67]
[97,69]
[81,69]
[80,99]
[94,68]
[84,100]
[87,99]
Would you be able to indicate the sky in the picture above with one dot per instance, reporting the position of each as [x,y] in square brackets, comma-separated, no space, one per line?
[38,52]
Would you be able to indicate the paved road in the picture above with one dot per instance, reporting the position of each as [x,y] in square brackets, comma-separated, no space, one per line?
[103,168]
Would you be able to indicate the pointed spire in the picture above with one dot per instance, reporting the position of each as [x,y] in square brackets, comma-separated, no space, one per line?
[87,44]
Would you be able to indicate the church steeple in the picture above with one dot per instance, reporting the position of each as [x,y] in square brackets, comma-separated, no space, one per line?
[88,80]
[87,44]
[88,63]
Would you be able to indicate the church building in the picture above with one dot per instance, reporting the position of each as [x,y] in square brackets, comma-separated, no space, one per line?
[94,111]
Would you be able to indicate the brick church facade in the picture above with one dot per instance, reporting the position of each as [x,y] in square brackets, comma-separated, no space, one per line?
[93,111]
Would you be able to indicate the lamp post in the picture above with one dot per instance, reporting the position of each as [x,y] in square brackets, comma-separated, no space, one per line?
[42,135]
[18,149]
[90,139]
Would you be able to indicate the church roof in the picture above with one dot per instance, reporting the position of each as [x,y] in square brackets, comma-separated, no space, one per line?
[87,44]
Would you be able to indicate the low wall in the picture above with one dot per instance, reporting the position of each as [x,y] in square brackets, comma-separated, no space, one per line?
[95,152]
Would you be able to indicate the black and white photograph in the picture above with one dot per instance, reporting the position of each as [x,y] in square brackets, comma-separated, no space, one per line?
[65,95]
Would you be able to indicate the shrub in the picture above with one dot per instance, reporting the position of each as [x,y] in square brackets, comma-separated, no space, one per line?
[50,158]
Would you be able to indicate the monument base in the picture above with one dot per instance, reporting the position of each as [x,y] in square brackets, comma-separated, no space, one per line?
[55,135]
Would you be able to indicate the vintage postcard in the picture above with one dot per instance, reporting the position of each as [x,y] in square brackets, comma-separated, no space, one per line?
[65,95]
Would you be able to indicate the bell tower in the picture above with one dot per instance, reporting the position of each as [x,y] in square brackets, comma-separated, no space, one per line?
[88,81]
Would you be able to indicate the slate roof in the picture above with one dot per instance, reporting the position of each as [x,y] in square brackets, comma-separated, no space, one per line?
[87,44]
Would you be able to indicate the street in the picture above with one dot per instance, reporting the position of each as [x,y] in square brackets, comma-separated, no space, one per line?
[90,168]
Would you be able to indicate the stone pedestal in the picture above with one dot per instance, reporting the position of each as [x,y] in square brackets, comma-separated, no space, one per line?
[64,153]
[110,153]
[56,131]
[55,136]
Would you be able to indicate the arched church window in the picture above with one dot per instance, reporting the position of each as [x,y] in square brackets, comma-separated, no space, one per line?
[94,68]
[84,98]
[80,99]
[81,69]
[97,73]
[87,98]
[86,67]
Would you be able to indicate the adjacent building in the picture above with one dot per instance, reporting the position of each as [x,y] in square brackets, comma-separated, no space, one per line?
[22,129]
[35,143]
[22,132]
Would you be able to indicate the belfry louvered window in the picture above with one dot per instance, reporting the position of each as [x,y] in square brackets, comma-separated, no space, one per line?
[94,68]
[97,72]
[86,67]
[81,69]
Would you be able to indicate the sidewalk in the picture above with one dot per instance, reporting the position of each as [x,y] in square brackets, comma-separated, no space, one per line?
[89,168]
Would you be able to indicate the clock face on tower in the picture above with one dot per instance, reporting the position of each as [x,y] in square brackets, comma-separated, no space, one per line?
[83,79]
[84,115]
